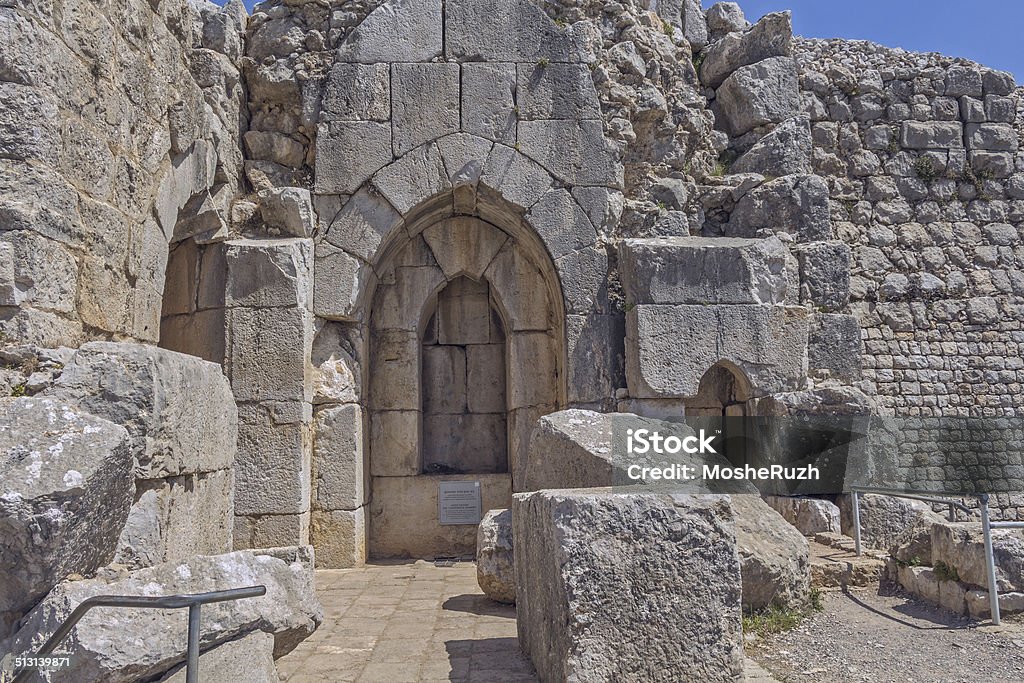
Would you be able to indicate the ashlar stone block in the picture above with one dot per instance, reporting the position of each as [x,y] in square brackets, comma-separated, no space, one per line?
[339,283]
[348,153]
[521,289]
[556,91]
[496,31]
[268,353]
[269,273]
[338,471]
[425,103]
[444,379]
[575,152]
[272,466]
[464,313]
[488,100]
[366,220]
[410,28]
[394,443]
[669,348]
[518,180]
[561,223]
[358,92]
[394,376]
[339,538]
[464,246]
[535,384]
[485,378]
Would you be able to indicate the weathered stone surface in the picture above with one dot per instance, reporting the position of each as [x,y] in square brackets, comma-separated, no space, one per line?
[999,137]
[417,176]
[269,273]
[288,210]
[268,353]
[809,515]
[700,270]
[770,37]
[725,17]
[556,91]
[834,344]
[425,103]
[825,274]
[339,282]
[339,537]
[695,26]
[784,151]
[884,518]
[173,519]
[495,565]
[101,650]
[338,458]
[575,152]
[363,223]
[797,204]
[675,555]
[249,658]
[464,246]
[178,409]
[488,101]
[773,556]
[348,153]
[272,470]
[410,28]
[931,134]
[65,489]
[761,93]
[520,180]
[768,343]
[495,31]
[358,92]
[962,547]
[561,223]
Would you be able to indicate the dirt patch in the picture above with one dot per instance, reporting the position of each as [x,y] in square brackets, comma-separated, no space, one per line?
[864,636]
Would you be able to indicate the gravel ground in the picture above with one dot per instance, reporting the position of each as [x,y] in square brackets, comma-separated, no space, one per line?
[863,636]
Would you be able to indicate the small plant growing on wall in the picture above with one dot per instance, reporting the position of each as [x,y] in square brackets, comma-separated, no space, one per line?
[924,168]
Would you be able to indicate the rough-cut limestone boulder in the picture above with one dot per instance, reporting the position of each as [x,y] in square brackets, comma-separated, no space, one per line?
[703,270]
[784,151]
[725,17]
[178,409]
[140,644]
[695,26]
[495,567]
[65,489]
[962,546]
[769,37]
[288,211]
[249,658]
[809,515]
[773,554]
[797,204]
[758,94]
[884,519]
[628,587]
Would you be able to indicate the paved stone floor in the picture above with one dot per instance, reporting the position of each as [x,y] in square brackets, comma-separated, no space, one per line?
[388,623]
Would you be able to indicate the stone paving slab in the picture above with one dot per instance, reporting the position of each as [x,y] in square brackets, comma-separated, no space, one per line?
[408,622]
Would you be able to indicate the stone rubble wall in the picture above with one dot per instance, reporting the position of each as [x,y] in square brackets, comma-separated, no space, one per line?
[120,124]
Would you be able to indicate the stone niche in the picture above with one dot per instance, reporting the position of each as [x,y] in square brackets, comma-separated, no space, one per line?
[456,305]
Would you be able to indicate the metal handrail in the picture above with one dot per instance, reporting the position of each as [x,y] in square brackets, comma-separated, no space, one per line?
[194,602]
[986,529]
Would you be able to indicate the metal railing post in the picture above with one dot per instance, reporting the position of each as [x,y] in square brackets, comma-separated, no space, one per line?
[952,513]
[990,562]
[192,665]
[856,521]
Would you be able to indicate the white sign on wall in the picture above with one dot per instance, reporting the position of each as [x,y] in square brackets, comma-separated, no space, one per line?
[458,502]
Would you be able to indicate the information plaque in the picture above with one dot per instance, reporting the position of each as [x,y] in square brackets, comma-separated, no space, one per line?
[458,502]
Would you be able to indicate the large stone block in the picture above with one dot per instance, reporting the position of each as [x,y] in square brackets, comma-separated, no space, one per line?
[358,92]
[561,223]
[464,246]
[417,176]
[797,204]
[395,443]
[575,152]
[273,464]
[338,472]
[410,28]
[825,274]
[784,151]
[250,658]
[404,522]
[473,443]
[495,31]
[883,519]
[340,281]
[699,270]
[289,612]
[178,409]
[339,538]
[962,547]
[365,221]
[834,345]
[65,488]
[394,381]
[770,37]
[495,564]
[488,101]
[767,343]
[931,134]
[535,355]
[269,273]
[761,93]
[288,211]
[556,91]
[594,357]
[525,299]
[520,180]
[773,555]
[348,153]
[174,519]
[577,552]
[268,352]
[485,378]
[997,137]
[809,515]
[425,103]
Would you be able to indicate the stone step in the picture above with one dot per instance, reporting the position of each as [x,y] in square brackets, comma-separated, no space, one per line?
[838,567]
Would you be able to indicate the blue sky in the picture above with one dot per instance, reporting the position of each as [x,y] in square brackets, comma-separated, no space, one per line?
[987,31]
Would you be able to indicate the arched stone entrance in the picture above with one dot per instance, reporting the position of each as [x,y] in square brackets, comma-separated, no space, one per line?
[456,306]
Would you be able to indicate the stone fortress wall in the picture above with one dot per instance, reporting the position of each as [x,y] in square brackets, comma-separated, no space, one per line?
[291,194]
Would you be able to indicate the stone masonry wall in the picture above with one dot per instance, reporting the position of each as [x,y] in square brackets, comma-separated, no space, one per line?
[115,116]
